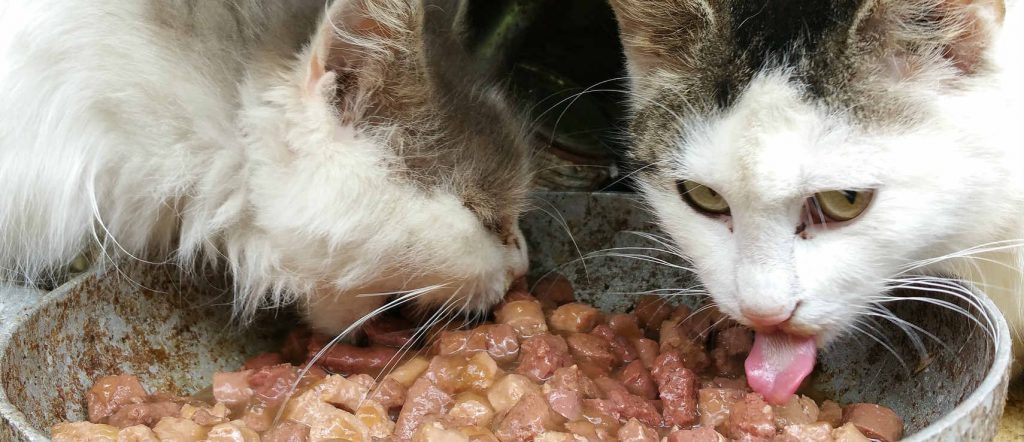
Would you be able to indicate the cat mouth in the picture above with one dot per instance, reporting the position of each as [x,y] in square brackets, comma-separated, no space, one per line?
[778,363]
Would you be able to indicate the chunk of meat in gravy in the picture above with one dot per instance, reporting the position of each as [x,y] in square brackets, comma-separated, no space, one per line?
[634,431]
[390,394]
[566,390]
[691,352]
[800,410]
[832,413]
[574,317]
[529,418]
[637,379]
[620,347]
[695,435]
[349,359]
[470,409]
[714,404]
[646,351]
[263,360]
[138,433]
[735,341]
[232,388]
[87,431]
[819,432]
[109,393]
[677,388]
[593,354]
[555,289]
[627,405]
[232,432]
[874,421]
[751,416]
[525,317]
[423,398]
[507,391]
[146,414]
[390,331]
[542,355]
[498,340]
[651,311]
[848,433]
[178,429]
[287,431]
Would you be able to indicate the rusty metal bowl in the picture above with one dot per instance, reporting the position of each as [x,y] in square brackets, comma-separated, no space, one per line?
[174,331]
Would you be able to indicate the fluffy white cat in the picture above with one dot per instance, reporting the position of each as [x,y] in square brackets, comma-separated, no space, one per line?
[317,151]
[806,157]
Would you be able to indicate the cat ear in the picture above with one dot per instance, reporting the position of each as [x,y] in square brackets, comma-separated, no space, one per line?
[657,32]
[354,33]
[961,31]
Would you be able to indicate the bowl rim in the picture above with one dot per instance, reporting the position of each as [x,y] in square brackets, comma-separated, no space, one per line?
[996,377]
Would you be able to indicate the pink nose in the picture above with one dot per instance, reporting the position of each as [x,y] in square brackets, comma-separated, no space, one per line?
[760,319]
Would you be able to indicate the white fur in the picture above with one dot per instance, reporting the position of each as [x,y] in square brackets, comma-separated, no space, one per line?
[114,128]
[945,186]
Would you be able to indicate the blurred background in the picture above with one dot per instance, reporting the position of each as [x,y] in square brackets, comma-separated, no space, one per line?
[563,63]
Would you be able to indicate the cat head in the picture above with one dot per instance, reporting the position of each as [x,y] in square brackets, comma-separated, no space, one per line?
[383,164]
[801,154]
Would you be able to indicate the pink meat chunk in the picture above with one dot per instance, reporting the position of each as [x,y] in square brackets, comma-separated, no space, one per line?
[109,393]
[677,388]
[542,355]
[423,399]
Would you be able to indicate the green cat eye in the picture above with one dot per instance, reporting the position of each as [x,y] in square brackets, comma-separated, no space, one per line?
[843,205]
[703,198]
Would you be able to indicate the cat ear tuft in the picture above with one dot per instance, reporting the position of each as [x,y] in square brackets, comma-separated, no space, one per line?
[354,33]
[961,31]
[657,32]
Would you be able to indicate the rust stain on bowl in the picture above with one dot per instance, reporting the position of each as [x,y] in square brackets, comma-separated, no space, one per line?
[174,331]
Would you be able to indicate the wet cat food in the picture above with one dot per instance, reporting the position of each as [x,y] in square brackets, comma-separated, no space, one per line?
[546,369]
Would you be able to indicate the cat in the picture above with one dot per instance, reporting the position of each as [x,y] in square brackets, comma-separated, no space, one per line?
[806,157]
[326,154]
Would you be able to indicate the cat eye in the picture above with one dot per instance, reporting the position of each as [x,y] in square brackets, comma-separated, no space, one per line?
[843,205]
[703,198]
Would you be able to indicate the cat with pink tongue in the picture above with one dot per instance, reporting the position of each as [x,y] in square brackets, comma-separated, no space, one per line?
[809,157]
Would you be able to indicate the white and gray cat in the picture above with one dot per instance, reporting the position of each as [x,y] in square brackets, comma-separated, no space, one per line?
[808,156]
[319,151]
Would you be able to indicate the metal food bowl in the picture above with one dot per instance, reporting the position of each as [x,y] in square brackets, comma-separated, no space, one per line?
[174,331]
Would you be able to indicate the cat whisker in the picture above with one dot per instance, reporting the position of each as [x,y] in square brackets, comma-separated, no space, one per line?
[994,246]
[564,224]
[881,342]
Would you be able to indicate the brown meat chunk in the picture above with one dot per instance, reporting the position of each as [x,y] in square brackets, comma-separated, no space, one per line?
[735,341]
[574,317]
[143,414]
[507,391]
[627,405]
[695,435]
[675,337]
[714,405]
[751,416]
[620,347]
[646,350]
[349,359]
[542,355]
[232,388]
[263,360]
[819,432]
[525,317]
[874,421]
[109,393]
[529,418]
[555,289]
[498,340]
[593,354]
[651,311]
[831,413]
[800,410]
[455,374]
[848,433]
[390,331]
[634,431]
[423,398]
[83,431]
[677,388]
[625,325]
[638,380]
[390,394]
[287,431]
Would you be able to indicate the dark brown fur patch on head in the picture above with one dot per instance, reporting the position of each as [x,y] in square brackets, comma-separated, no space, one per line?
[450,127]
[691,58]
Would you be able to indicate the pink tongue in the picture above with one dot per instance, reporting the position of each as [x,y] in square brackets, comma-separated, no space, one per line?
[778,363]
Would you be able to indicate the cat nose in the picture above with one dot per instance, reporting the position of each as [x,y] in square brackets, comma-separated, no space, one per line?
[760,318]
